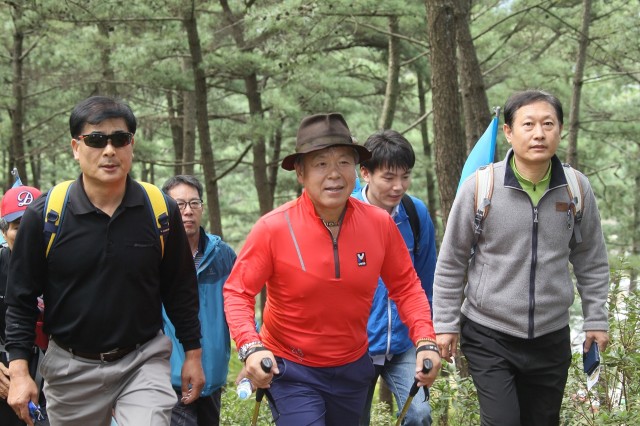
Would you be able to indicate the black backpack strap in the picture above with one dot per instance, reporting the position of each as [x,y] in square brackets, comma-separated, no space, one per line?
[414,221]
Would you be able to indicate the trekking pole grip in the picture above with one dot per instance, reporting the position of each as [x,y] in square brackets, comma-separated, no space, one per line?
[427,365]
[266,365]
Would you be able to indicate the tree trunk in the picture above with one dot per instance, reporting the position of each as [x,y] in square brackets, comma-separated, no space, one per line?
[35,162]
[475,105]
[176,125]
[448,135]
[189,123]
[107,86]
[275,143]
[265,184]
[574,113]
[261,179]
[635,226]
[391,93]
[254,98]
[17,111]
[202,117]
[426,150]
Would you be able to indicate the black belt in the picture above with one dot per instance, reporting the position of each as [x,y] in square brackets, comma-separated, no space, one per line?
[110,356]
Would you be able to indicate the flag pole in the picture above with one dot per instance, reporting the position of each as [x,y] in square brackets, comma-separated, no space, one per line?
[16,175]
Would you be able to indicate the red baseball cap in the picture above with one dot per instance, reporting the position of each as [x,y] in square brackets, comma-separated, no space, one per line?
[16,200]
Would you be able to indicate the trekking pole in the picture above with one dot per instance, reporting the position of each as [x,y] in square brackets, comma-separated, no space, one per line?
[426,367]
[266,365]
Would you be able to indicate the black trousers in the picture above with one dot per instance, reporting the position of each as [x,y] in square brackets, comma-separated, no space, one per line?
[7,416]
[519,381]
[205,411]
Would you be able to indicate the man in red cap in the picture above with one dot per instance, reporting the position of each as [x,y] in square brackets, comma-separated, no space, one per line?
[14,202]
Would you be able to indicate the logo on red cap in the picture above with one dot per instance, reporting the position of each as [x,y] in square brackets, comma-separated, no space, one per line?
[16,200]
[25,198]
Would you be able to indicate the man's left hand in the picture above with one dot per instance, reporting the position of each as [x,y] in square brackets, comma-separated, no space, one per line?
[598,336]
[4,381]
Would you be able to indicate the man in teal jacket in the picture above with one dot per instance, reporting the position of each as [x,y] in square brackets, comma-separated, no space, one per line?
[213,260]
[388,175]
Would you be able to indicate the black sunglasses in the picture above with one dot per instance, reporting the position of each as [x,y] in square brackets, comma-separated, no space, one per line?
[100,140]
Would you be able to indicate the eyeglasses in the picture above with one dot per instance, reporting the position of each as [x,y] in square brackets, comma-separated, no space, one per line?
[194,204]
[100,140]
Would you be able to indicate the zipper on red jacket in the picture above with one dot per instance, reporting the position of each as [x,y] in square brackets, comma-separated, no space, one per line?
[334,242]
[336,258]
[532,273]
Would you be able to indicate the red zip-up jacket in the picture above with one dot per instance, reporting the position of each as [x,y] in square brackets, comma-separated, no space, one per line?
[320,290]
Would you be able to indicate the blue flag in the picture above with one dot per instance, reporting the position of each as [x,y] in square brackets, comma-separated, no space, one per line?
[358,187]
[484,150]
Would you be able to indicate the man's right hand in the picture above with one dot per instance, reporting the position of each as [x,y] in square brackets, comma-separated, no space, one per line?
[22,390]
[254,372]
[448,345]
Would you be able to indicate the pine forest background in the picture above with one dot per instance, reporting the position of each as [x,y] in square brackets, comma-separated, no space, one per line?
[219,88]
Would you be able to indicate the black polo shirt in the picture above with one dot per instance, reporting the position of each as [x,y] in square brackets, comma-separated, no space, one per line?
[105,279]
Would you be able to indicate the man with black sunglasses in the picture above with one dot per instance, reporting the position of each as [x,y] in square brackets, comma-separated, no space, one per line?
[104,281]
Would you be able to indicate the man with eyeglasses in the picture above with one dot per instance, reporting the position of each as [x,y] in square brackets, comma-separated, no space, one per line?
[105,282]
[213,261]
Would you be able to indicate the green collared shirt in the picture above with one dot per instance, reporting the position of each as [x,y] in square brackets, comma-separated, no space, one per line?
[534,190]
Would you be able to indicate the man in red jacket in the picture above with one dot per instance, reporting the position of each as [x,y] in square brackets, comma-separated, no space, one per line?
[320,257]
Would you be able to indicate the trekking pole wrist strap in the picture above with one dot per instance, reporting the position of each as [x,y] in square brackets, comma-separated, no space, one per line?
[427,347]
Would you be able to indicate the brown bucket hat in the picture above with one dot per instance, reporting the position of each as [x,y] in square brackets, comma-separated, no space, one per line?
[321,131]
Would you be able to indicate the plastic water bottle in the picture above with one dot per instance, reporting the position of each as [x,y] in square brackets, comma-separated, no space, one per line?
[244,389]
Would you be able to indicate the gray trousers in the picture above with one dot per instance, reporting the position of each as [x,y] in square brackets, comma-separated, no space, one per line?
[136,389]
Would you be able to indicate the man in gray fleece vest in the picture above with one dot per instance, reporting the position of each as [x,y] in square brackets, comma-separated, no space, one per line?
[513,319]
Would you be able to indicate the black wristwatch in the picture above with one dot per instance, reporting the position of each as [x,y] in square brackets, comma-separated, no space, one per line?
[244,352]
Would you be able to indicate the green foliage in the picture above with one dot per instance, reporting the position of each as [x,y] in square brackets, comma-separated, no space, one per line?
[310,57]
[453,399]
[614,400]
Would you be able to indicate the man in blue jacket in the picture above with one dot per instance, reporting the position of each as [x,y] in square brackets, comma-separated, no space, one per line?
[388,175]
[213,260]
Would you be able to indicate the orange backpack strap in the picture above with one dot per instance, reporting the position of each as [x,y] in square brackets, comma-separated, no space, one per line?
[53,212]
[159,211]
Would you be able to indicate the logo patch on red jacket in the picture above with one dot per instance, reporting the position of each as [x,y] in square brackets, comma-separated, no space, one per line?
[362,259]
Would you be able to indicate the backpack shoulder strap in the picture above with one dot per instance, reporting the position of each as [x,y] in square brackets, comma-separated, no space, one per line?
[482,200]
[576,197]
[53,213]
[159,210]
[414,221]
